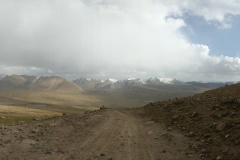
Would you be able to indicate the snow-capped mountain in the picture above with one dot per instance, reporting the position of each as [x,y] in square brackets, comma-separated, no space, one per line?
[158,81]
[127,83]
[112,80]
[136,81]
[116,84]
[107,84]
[135,84]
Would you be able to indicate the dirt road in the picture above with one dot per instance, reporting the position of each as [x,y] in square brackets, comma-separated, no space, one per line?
[109,134]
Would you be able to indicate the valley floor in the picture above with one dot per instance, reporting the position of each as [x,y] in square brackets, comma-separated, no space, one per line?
[111,134]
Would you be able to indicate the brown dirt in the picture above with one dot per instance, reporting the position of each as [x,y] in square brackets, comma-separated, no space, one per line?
[106,134]
[211,118]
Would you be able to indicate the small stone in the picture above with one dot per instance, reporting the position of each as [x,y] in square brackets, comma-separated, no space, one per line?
[35,130]
[219,158]
[7,141]
[226,136]
[238,100]
[197,139]
[48,152]
[73,157]
[232,114]
[207,135]
[191,134]
[190,155]
[195,147]
[35,119]
[4,133]
[194,114]
[20,129]
[102,154]
[221,126]
[203,151]
[237,142]
[201,155]
[175,117]
[218,115]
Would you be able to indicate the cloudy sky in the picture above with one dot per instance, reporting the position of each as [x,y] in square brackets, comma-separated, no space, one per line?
[183,39]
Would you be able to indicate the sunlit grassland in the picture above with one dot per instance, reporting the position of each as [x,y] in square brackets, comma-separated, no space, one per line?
[47,97]
[24,105]
[10,114]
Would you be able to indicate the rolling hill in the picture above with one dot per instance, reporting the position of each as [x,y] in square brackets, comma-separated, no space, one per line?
[57,84]
[53,83]
[14,81]
[87,83]
[25,90]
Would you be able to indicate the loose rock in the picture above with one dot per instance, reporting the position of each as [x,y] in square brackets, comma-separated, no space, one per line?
[221,126]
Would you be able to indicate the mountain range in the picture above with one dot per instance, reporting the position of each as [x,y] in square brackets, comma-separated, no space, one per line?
[53,83]
[153,82]
[132,92]
[60,84]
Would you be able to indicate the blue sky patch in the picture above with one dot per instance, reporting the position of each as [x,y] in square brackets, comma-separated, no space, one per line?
[220,41]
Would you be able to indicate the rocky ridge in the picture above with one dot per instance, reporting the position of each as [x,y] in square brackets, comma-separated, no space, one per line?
[212,119]
[151,82]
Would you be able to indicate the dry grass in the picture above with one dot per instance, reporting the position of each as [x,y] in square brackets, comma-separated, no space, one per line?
[47,97]
[10,114]
[86,108]
[22,104]
[26,111]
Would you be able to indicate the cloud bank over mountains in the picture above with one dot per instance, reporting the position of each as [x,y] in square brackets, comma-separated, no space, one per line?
[110,38]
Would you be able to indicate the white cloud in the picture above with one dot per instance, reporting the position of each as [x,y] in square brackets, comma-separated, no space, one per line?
[106,37]
[22,70]
[213,10]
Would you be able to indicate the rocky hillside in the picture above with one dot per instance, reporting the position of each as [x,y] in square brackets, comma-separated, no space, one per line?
[55,83]
[52,83]
[87,83]
[211,118]
[14,81]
